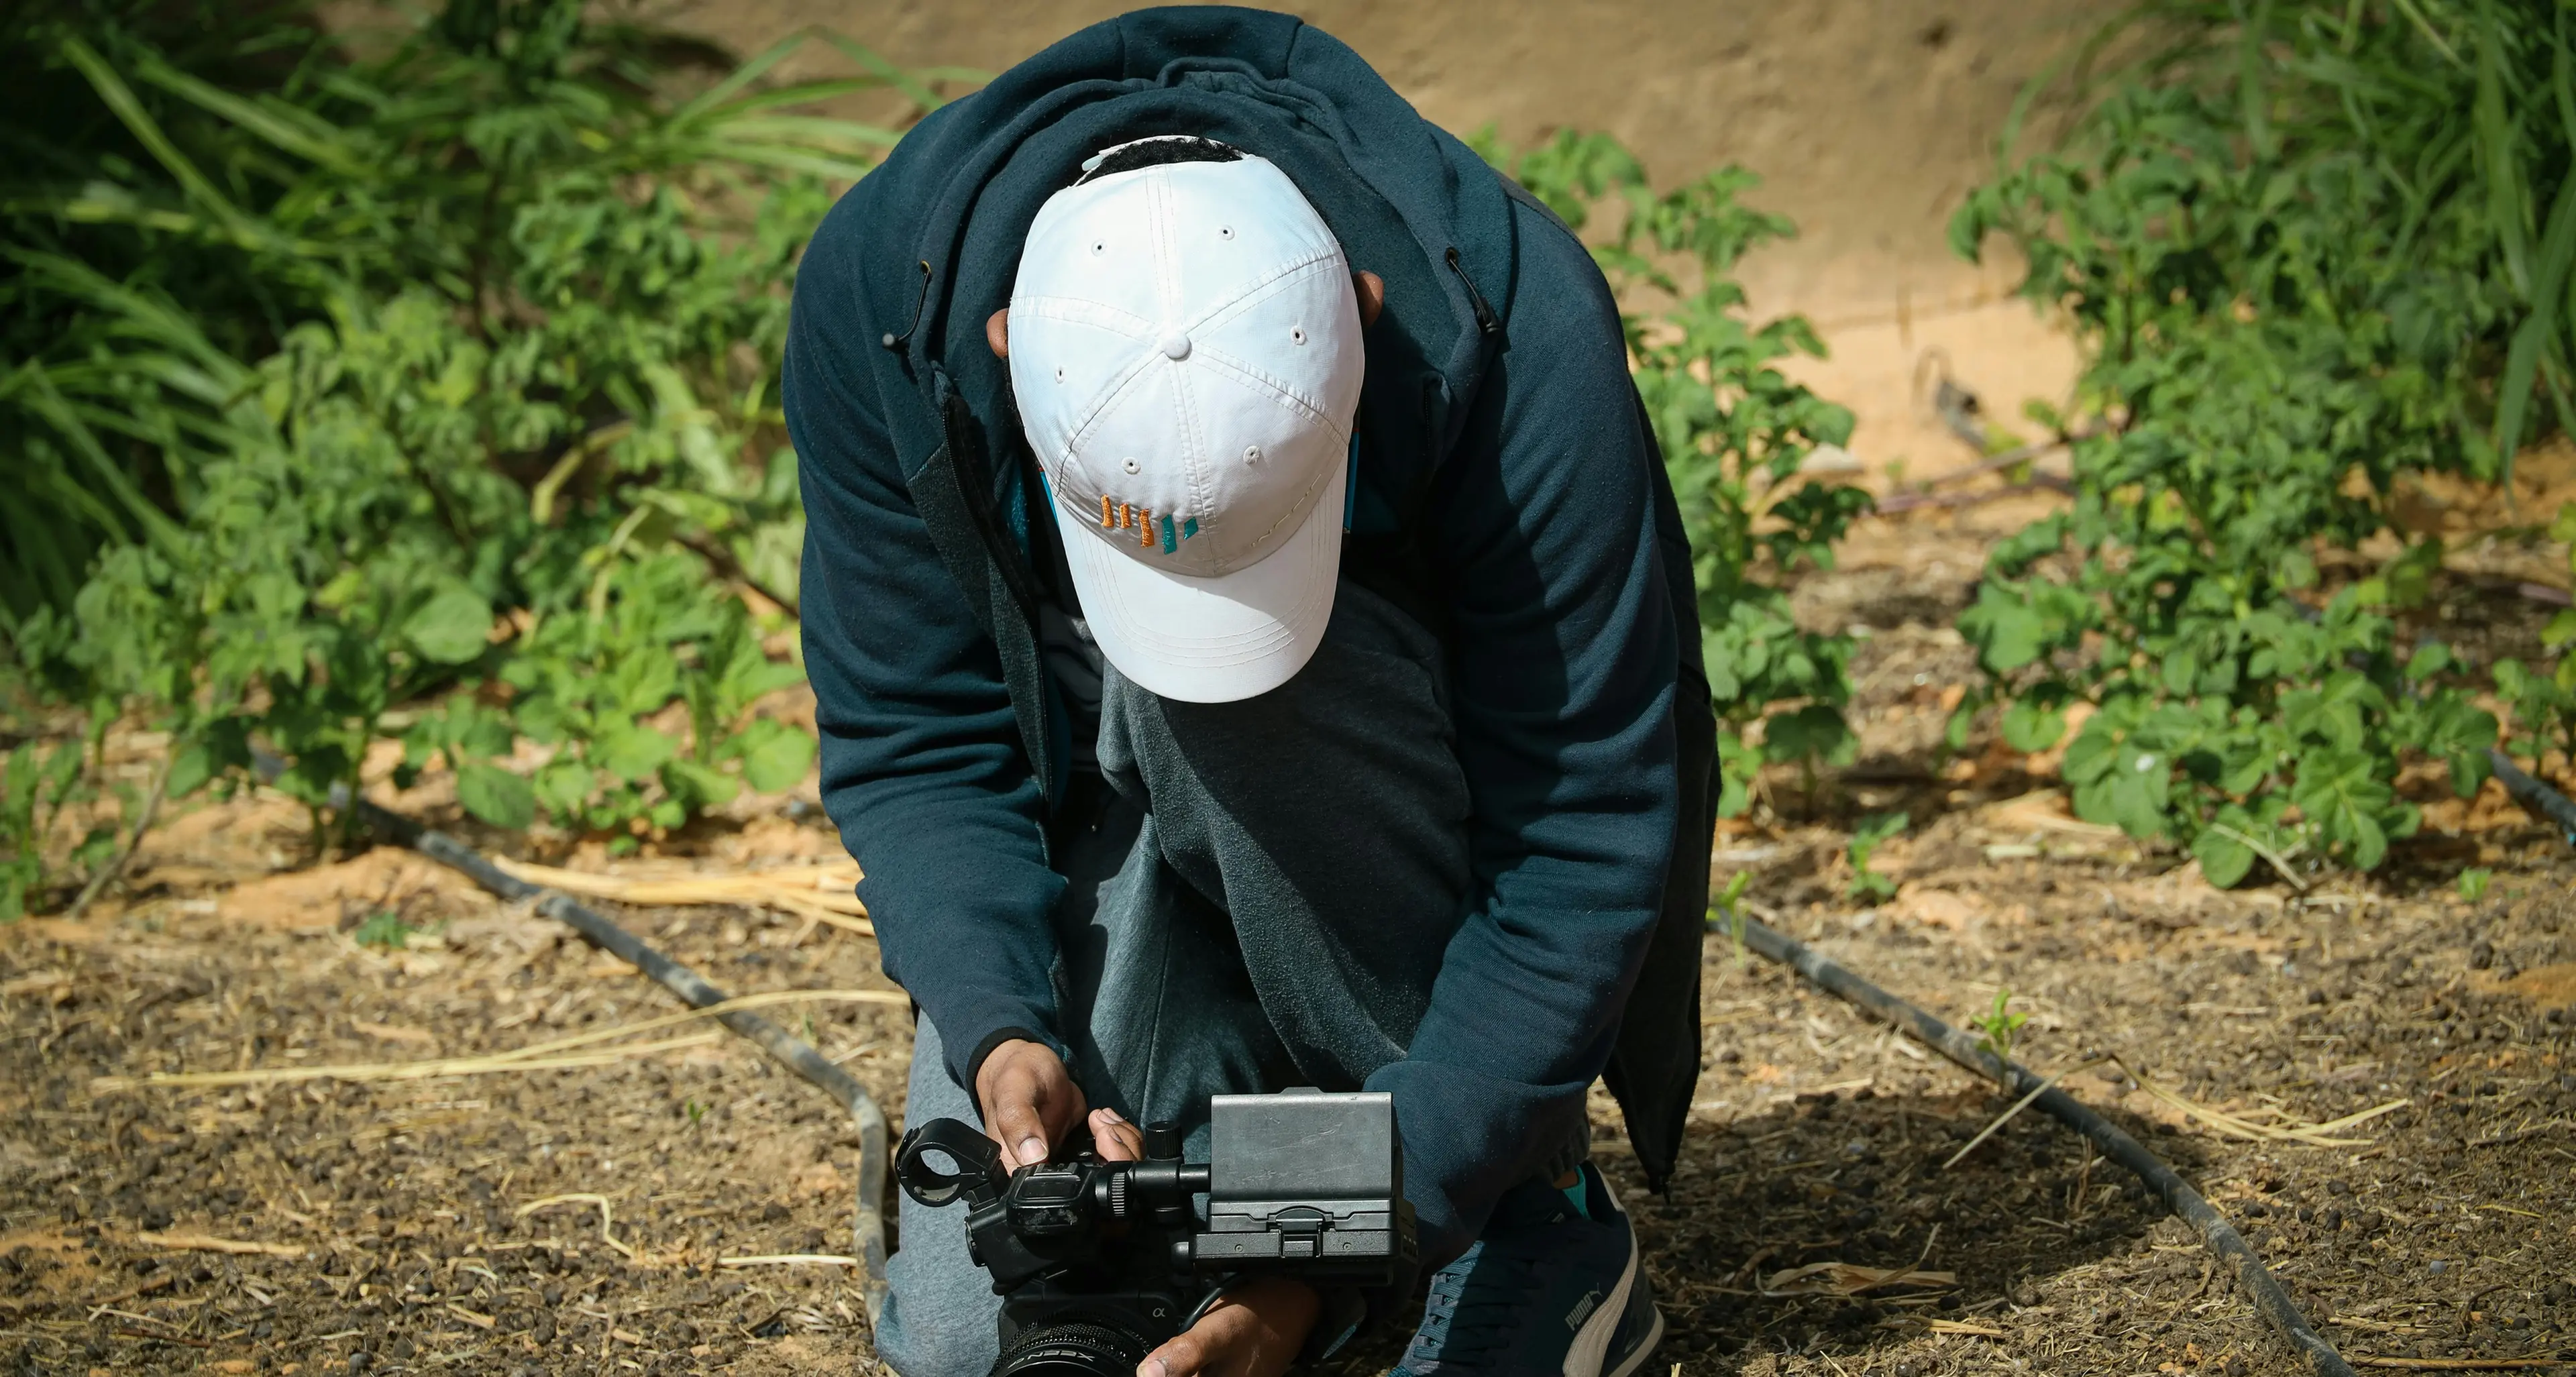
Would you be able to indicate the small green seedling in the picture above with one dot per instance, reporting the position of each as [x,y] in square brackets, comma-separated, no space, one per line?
[694,1110]
[1867,883]
[2473,883]
[1997,1026]
[1728,906]
[384,930]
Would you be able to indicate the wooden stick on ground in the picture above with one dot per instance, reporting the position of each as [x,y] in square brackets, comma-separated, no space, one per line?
[2018,1106]
[559,1054]
[580,1198]
[207,1243]
[821,894]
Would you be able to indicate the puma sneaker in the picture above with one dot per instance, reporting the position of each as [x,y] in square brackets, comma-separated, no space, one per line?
[1552,1289]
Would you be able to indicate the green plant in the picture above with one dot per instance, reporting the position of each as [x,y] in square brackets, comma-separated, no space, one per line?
[1872,833]
[2301,280]
[1999,1025]
[2474,882]
[35,785]
[1735,432]
[383,930]
[1729,905]
[2543,700]
[436,383]
[659,636]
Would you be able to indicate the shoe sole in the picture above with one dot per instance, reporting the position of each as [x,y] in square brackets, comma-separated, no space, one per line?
[1636,1360]
[1591,1345]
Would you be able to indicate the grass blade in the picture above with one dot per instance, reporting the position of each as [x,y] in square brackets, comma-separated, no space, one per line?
[120,100]
[2508,198]
[2539,332]
[893,75]
[290,136]
[742,76]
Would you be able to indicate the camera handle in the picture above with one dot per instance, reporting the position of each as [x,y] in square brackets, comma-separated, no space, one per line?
[980,1180]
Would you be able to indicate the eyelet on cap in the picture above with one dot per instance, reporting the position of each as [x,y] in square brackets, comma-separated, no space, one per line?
[1059,375]
[1252,454]
[1099,246]
[1131,466]
[1225,231]
[1296,334]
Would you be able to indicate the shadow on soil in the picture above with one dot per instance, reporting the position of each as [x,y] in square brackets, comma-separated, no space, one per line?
[1858,1179]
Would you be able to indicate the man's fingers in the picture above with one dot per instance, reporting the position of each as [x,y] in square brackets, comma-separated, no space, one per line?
[1028,1099]
[1182,1356]
[1115,1139]
[1017,1124]
[1022,1136]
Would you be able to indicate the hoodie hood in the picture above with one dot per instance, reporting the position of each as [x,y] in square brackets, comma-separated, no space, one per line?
[948,211]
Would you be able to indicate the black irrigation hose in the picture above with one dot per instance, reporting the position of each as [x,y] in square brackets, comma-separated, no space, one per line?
[2177,1194]
[2534,795]
[787,1050]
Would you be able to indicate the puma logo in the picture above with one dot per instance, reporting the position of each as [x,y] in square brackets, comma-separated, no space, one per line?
[1583,1309]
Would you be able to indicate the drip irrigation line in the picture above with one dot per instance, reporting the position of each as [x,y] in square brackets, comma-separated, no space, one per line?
[2534,795]
[786,1049]
[2177,1194]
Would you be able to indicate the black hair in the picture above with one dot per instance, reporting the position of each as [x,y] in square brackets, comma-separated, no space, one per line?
[1158,152]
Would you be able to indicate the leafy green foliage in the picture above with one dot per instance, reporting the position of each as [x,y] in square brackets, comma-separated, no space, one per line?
[2474,882]
[1872,833]
[2543,700]
[383,930]
[39,785]
[2301,278]
[438,385]
[35,784]
[1735,432]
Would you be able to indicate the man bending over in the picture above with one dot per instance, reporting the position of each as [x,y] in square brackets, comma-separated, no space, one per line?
[1252,638]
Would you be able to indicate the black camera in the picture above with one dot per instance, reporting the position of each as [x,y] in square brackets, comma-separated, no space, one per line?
[1099,1262]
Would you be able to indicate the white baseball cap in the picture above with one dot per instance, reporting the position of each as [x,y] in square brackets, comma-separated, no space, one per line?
[1185,350]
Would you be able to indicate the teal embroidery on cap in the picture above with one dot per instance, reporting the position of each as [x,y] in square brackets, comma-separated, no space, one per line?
[1189,528]
[1169,542]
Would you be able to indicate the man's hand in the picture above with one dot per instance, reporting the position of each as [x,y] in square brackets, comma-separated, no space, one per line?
[1029,1101]
[1254,1332]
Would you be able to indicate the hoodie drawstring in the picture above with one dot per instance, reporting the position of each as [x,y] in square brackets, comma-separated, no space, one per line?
[895,342]
[1486,322]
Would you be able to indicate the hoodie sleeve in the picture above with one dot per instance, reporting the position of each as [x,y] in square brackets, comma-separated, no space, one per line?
[1565,668]
[922,766]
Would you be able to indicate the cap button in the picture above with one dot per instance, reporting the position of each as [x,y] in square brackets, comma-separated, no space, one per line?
[1176,345]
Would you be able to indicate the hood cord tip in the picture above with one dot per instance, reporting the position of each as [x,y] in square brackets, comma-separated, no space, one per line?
[895,342]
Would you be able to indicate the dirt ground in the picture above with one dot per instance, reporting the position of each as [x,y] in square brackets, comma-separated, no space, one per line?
[1867,121]
[578,1219]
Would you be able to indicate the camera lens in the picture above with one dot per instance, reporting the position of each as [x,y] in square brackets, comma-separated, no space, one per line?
[1073,1348]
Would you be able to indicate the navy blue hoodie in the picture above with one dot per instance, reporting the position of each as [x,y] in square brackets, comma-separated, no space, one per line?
[1502,453]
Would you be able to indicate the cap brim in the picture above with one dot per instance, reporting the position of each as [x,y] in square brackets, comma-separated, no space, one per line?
[1212,640]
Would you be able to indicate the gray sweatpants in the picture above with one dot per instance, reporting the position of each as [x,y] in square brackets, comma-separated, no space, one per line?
[1262,902]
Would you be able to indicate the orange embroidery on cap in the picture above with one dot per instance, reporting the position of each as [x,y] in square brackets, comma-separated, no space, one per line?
[1126,514]
[1147,531]
[1108,512]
